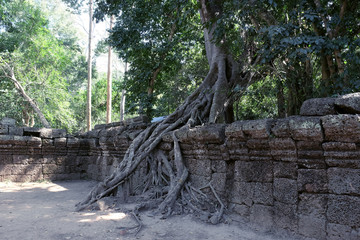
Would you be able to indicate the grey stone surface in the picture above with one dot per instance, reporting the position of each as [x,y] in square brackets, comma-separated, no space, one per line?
[285,190]
[312,180]
[8,121]
[341,128]
[318,107]
[312,227]
[306,128]
[344,210]
[349,103]
[344,181]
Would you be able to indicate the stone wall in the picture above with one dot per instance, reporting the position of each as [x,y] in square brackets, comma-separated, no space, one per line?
[300,173]
[36,154]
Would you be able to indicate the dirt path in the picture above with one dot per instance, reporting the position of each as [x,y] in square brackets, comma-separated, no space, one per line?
[46,211]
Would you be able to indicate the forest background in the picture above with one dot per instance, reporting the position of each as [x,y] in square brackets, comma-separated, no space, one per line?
[297,49]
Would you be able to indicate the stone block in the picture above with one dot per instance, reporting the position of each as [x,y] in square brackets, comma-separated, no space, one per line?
[344,181]
[262,216]
[8,121]
[219,166]
[341,128]
[254,171]
[60,142]
[338,232]
[285,190]
[343,163]
[285,216]
[312,180]
[263,193]
[199,167]
[312,227]
[318,107]
[214,133]
[242,193]
[234,130]
[6,159]
[280,128]
[306,128]
[49,169]
[349,103]
[16,131]
[218,181]
[257,128]
[338,146]
[313,205]
[4,130]
[259,144]
[344,210]
[34,142]
[285,170]
[199,181]
[240,209]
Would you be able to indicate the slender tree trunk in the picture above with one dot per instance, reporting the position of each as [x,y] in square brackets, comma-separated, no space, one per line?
[22,92]
[88,108]
[109,82]
[122,105]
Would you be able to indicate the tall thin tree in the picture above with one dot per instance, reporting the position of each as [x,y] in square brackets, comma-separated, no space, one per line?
[109,81]
[88,110]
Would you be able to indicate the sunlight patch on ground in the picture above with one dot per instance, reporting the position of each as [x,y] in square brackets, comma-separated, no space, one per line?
[8,187]
[110,216]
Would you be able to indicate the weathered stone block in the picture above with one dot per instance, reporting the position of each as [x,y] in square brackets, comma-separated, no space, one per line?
[235,131]
[285,190]
[242,193]
[199,167]
[16,131]
[7,121]
[318,107]
[285,216]
[312,227]
[6,159]
[344,181]
[341,128]
[53,169]
[263,193]
[349,103]
[280,128]
[199,181]
[262,216]
[312,180]
[34,142]
[258,144]
[219,166]
[257,128]
[60,142]
[338,232]
[306,128]
[344,210]
[4,130]
[313,205]
[218,181]
[285,170]
[338,146]
[214,133]
[240,209]
[254,171]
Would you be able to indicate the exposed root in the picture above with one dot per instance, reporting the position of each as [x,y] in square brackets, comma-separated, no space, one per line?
[137,227]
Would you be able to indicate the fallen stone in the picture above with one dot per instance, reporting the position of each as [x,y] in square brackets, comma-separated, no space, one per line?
[318,107]
[349,103]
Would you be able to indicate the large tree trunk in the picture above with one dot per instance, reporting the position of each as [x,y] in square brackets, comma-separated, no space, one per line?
[210,103]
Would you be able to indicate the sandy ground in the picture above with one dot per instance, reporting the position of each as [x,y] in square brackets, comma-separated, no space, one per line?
[46,211]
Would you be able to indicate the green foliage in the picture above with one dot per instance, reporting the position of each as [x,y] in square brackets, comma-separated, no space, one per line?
[152,36]
[49,70]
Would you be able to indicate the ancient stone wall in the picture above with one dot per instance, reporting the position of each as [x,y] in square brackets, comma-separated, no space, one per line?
[36,154]
[300,173]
